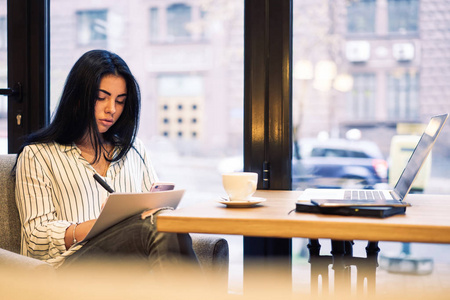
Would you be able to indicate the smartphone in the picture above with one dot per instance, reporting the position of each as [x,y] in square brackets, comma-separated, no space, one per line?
[162,186]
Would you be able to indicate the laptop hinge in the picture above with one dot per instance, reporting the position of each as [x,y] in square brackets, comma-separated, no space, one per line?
[395,195]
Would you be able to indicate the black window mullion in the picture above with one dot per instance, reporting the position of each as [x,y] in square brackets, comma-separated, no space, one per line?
[254,87]
[28,64]
[279,123]
[267,91]
[267,115]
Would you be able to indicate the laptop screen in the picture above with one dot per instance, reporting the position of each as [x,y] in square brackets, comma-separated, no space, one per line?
[419,155]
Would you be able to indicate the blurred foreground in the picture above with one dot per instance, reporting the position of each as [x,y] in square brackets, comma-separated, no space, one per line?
[125,280]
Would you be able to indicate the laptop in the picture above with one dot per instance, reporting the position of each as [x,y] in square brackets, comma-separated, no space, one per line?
[361,211]
[379,198]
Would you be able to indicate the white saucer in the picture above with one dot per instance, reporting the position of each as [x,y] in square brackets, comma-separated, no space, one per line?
[241,203]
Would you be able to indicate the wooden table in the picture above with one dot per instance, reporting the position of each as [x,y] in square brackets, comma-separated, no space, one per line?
[426,221]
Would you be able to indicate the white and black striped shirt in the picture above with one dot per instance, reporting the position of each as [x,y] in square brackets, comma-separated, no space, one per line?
[55,188]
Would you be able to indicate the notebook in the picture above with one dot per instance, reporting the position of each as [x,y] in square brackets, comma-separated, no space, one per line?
[120,206]
[391,198]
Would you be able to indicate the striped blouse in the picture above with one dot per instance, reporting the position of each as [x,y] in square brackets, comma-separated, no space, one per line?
[55,188]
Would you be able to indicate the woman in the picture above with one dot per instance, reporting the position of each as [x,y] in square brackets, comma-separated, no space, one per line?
[93,132]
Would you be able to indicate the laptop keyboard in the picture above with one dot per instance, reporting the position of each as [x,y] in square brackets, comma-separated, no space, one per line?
[364,195]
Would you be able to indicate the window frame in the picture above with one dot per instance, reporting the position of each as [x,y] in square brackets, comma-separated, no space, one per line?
[29,65]
[267,94]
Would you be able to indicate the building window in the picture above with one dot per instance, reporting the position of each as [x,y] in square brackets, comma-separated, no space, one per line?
[3,33]
[177,22]
[178,17]
[402,95]
[177,94]
[361,100]
[154,23]
[361,16]
[3,100]
[403,16]
[92,27]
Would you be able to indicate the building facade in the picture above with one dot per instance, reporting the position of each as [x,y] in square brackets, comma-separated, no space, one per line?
[395,53]
[365,64]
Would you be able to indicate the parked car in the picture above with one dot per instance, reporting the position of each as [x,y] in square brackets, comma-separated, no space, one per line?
[334,163]
[340,163]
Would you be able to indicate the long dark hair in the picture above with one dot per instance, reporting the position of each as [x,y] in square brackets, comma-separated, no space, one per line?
[75,115]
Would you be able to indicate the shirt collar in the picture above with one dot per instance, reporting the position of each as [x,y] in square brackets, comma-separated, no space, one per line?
[68,148]
[73,148]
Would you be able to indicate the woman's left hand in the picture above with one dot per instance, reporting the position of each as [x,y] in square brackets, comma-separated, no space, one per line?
[148,213]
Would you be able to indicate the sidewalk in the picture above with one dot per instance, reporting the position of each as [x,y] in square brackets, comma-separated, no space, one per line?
[387,283]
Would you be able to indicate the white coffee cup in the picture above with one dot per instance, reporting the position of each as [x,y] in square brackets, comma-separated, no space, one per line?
[240,185]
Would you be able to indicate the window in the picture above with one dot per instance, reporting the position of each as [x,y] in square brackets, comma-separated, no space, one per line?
[176,94]
[361,100]
[178,19]
[3,106]
[3,78]
[187,89]
[150,101]
[361,16]
[154,23]
[3,83]
[3,33]
[386,87]
[92,27]
[403,16]
[182,22]
[402,95]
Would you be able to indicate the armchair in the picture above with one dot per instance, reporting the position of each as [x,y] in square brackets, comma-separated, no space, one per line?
[212,251]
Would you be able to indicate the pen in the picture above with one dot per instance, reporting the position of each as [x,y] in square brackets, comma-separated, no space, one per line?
[103,183]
